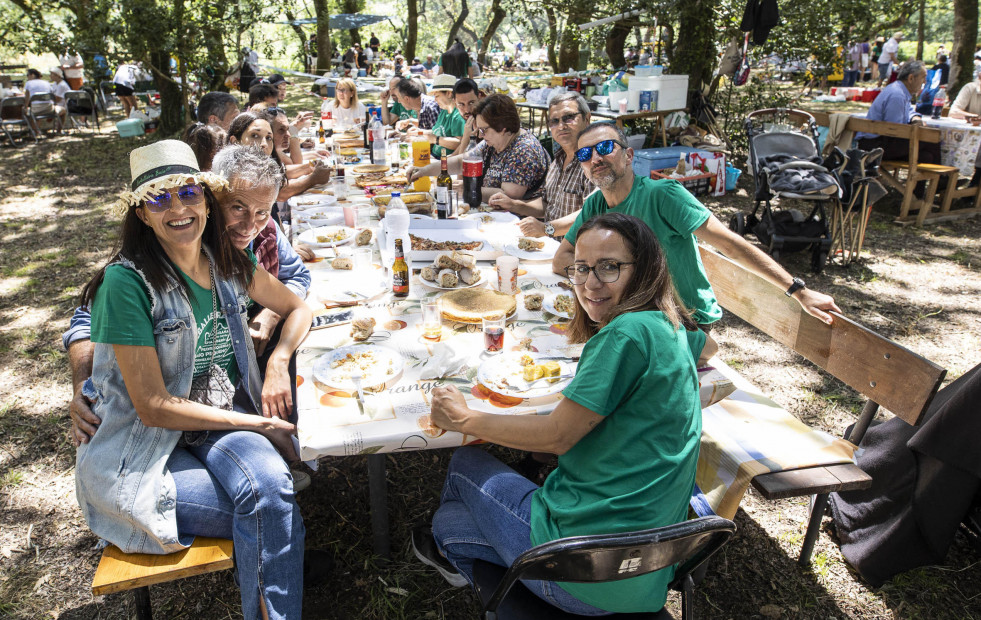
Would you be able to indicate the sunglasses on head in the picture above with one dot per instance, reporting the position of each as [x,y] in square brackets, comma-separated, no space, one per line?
[189,195]
[602,148]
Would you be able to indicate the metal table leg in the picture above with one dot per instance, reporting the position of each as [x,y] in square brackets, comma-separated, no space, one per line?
[378,505]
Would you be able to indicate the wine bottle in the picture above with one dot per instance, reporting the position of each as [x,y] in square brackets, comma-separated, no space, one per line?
[400,272]
[444,185]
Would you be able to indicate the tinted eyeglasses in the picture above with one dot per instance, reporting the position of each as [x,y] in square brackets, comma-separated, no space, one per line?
[606,271]
[568,119]
[189,195]
[603,148]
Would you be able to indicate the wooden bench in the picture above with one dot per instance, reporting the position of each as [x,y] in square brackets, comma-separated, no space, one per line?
[885,372]
[120,571]
[903,176]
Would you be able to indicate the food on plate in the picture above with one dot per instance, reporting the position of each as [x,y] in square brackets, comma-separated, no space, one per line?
[469,276]
[409,199]
[364,237]
[552,369]
[485,219]
[444,260]
[373,180]
[421,244]
[347,152]
[524,344]
[368,362]
[533,301]
[429,273]
[328,236]
[532,372]
[369,168]
[342,262]
[526,360]
[350,143]
[447,278]
[565,305]
[361,329]
[464,259]
[469,305]
[530,245]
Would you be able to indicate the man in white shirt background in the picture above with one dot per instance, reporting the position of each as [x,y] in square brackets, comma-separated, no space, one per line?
[889,55]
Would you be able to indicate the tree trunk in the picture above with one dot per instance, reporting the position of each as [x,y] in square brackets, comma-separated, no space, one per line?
[920,29]
[553,36]
[965,38]
[354,7]
[615,43]
[322,9]
[695,54]
[457,24]
[299,33]
[497,16]
[412,25]
[171,119]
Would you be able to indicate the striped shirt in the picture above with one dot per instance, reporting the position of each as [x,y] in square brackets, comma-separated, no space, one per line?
[566,187]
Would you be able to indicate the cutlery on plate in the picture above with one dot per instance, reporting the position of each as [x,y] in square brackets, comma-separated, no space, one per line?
[531,383]
[356,377]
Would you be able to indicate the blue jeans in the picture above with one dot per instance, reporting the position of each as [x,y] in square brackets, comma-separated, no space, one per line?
[485,514]
[236,485]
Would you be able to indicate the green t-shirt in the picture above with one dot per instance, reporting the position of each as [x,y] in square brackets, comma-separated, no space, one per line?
[447,124]
[636,469]
[122,314]
[673,214]
[400,112]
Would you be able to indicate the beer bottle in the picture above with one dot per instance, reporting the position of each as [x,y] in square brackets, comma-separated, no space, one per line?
[400,272]
[321,133]
[444,185]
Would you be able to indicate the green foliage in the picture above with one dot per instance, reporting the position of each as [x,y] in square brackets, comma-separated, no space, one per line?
[735,103]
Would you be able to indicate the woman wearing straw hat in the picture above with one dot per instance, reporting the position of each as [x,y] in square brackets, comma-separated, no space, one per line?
[445,134]
[174,457]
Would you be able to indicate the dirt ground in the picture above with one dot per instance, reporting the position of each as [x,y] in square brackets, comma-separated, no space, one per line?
[920,287]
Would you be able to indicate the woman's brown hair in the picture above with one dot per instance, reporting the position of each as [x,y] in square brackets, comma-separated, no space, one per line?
[499,112]
[650,286]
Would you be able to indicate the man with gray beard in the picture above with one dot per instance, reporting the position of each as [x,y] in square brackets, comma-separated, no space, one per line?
[678,220]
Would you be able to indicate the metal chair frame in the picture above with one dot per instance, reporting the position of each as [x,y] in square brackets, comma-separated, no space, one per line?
[35,116]
[85,94]
[6,123]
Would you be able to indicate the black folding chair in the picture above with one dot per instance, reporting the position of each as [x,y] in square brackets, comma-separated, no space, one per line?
[43,112]
[14,115]
[600,558]
[82,104]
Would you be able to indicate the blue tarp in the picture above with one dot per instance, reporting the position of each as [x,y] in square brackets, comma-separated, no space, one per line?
[344,21]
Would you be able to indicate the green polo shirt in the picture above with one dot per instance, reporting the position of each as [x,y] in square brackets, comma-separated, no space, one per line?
[449,124]
[400,112]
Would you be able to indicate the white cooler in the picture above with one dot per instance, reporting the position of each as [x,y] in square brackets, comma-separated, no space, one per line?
[673,91]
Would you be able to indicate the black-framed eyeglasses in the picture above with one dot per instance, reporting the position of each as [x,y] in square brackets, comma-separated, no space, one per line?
[189,195]
[603,148]
[568,119]
[606,271]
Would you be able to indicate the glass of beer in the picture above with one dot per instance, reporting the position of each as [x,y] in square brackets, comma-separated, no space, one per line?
[432,319]
[493,324]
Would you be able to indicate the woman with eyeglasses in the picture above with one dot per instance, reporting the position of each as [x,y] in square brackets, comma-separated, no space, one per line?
[174,457]
[514,160]
[347,110]
[627,432]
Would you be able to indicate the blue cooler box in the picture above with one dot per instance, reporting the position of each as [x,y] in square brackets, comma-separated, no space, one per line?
[130,128]
[646,160]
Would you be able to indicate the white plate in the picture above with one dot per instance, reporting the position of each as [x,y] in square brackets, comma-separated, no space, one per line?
[549,304]
[377,375]
[479,282]
[496,217]
[309,237]
[546,253]
[309,201]
[494,371]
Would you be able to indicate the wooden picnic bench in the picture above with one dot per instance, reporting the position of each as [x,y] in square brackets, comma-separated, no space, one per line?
[903,176]
[885,372]
[118,571]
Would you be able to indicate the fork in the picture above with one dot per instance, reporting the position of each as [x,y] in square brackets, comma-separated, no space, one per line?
[356,378]
[530,383]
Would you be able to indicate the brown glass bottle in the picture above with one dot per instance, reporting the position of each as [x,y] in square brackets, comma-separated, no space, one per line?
[400,272]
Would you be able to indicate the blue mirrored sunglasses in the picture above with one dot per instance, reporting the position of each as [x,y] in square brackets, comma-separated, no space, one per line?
[189,195]
[603,148]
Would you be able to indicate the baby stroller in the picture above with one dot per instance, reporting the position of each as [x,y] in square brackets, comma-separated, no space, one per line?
[785,162]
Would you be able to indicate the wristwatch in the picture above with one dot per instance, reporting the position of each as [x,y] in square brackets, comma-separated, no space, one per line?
[796,286]
[549,229]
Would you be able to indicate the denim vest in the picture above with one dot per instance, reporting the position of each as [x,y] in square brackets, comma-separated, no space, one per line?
[122,483]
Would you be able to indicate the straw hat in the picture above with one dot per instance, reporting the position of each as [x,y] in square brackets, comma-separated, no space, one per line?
[157,166]
[443,81]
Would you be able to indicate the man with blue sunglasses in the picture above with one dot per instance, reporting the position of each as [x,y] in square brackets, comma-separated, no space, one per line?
[678,220]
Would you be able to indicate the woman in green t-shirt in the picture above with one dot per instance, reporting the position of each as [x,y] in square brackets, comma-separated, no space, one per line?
[627,432]
[179,452]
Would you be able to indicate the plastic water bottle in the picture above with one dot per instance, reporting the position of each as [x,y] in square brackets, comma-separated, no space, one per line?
[379,145]
[397,225]
[938,102]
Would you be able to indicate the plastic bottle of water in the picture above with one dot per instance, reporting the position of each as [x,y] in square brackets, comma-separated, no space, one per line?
[397,225]
[379,145]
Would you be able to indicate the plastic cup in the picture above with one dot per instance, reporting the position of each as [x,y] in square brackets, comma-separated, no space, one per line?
[493,328]
[623,106]
[507,274]
[432,319]
[362,259]
[363,219]
[350,215]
